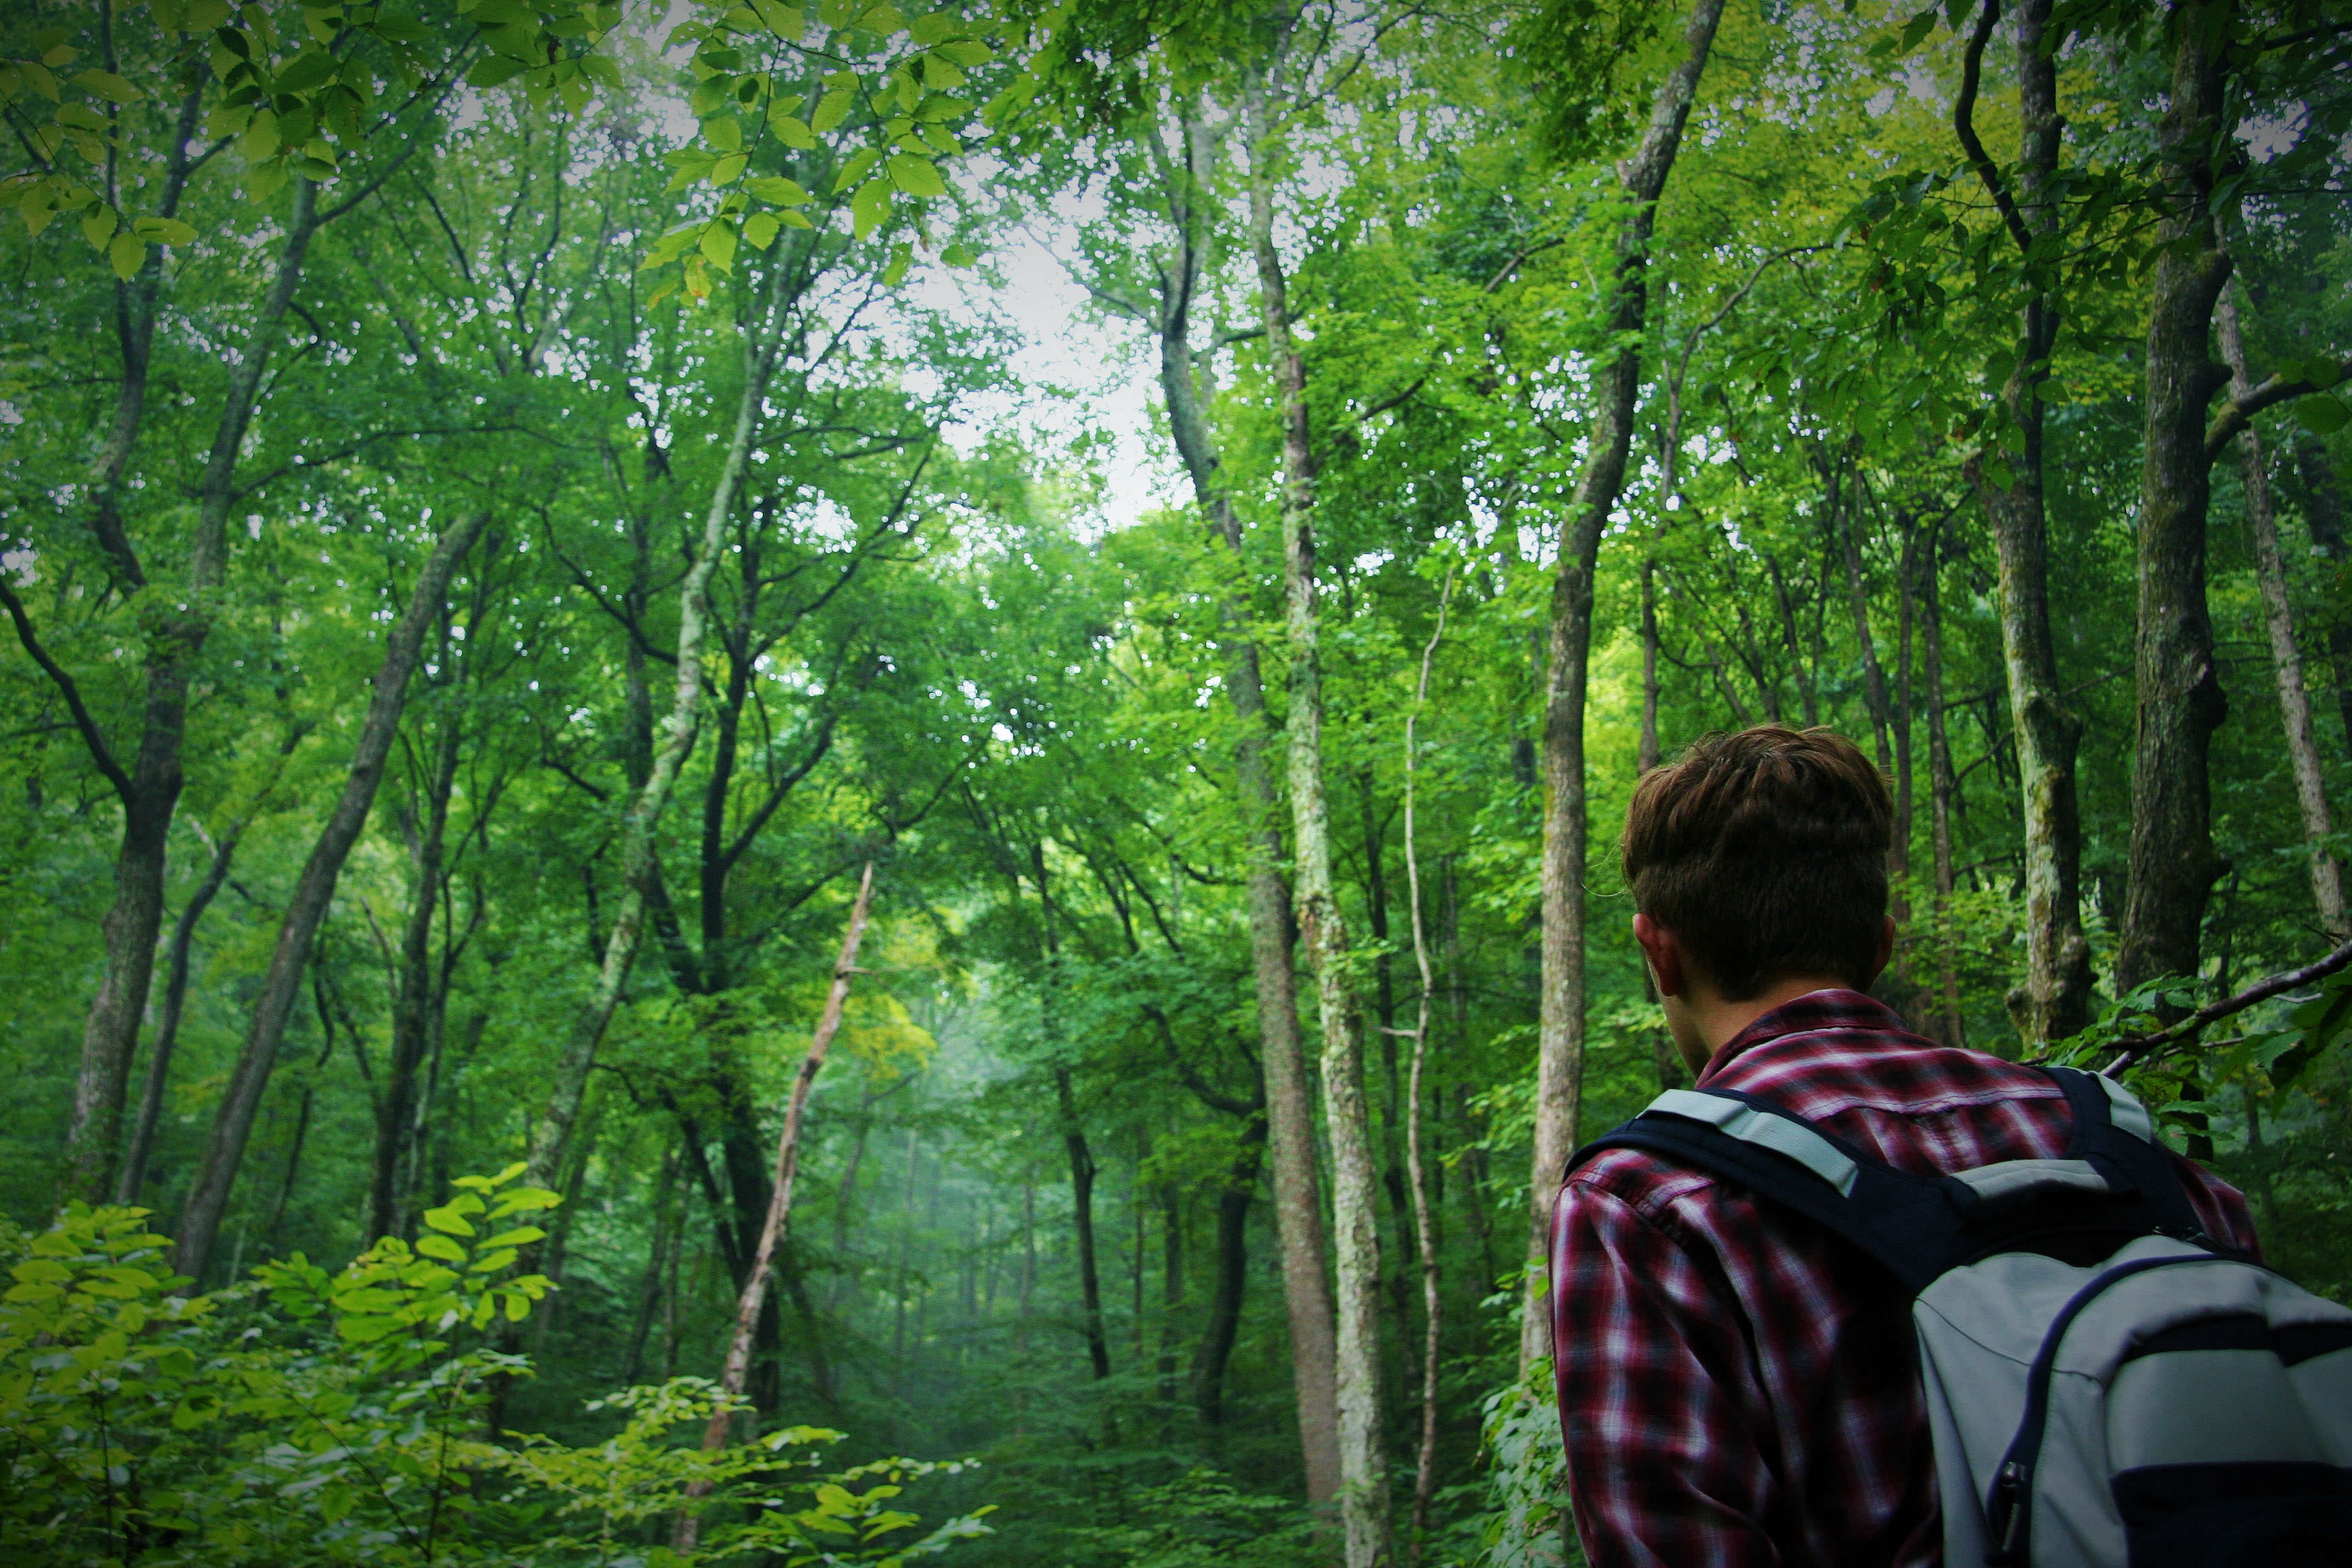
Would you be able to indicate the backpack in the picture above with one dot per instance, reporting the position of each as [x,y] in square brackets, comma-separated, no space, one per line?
[2108,1386]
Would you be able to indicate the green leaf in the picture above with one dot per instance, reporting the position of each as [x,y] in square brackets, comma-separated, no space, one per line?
[717,246]
[491,1262]
[775,188]
[869,207]
[724,172]
[492,70]
[902,257]
[441,1247]
[724,132]
[958,254]
[2322,415]
[128,253]
[2320,371]
[831,110]
[98,227]
[448,1221]
[759,230]
[163,230]
[522,1236]
[106,84]
[916,176]
[791,129]
[941,75]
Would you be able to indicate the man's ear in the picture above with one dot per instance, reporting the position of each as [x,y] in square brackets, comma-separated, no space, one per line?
[1886,949]
[1665,951]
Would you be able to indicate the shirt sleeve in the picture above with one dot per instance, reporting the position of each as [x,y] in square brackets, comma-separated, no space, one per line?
[1659,1403]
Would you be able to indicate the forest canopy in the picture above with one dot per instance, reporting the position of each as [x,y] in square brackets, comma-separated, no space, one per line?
[819,783]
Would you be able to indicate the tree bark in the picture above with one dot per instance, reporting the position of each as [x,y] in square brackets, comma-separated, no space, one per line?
[208,1199]
[2286,662]
[1355,1175]
[1617,385]
[2053,1000]
[167,1030]
[2173,862]
[1298,1201]
[150,790]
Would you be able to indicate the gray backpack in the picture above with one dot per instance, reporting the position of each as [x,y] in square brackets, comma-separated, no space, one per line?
[2108,1386]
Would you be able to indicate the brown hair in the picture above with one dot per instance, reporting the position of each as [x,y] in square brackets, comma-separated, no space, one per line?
[1765,851]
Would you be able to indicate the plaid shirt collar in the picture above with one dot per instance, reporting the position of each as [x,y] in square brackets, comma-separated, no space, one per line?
[1833,1008]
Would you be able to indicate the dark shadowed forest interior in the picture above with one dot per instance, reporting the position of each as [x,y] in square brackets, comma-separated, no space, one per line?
[823,784]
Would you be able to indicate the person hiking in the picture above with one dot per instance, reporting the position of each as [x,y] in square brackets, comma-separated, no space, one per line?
[1736,1385]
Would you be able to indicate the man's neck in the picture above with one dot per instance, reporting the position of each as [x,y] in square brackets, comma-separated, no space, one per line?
[1711,1021]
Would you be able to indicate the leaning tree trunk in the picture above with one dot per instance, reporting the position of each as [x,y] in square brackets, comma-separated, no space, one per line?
[2173,864]
[2286,662]
[1355,1175]
[1289,1105]
[736,1370]
[1560,1060]
[208,1198]
[2053,1000]
[150,790]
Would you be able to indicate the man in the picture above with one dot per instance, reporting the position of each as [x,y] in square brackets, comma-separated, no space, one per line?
[1737,1386]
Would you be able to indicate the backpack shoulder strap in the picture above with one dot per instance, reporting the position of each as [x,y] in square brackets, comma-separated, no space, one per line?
[2114,1134]
[1904,1221]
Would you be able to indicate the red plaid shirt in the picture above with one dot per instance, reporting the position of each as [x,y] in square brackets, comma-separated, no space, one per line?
[1734,1388]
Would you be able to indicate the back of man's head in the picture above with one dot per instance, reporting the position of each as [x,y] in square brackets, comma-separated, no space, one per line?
[1764,851]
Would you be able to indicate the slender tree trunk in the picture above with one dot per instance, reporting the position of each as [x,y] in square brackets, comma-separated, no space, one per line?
[1424,1485]
[1647,755]
[1298,1201]
[1082,1221]
[1560,1066]
[736,1371]
[2286,662]
[762,349]
[2053,1000]
[1225,1322]
[1844,507]
[666,1222]
[167,1029]
[1941,787]
[2173,862]
[1354,1178]
[413,1007]
[200,1221]
[150,790]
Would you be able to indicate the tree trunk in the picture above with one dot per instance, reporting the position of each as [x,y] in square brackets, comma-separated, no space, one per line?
[1225,1323]
[1941,785]
[149,790]
[208,1199]
[413,1007]
[1082,1221]
[2053,1000]
[2286,662]
[1355,1177]
[736,1371]
[762,349]
[1424,1485]
[1298,1201]
[1617,384]
[167,1030]
[1845,508]
[665,1225]
[2173,863]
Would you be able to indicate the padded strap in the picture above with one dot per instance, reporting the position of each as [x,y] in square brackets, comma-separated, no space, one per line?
[2114,1134]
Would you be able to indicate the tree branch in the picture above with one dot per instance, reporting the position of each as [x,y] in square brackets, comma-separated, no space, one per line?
[2239,412]
[99,751]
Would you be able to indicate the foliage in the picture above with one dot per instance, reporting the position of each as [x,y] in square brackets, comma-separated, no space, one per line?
[339,1418]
